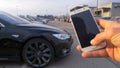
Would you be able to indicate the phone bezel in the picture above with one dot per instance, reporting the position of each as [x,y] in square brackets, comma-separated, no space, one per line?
[89,48]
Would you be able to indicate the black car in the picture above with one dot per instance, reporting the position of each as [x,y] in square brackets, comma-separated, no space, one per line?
[36,44]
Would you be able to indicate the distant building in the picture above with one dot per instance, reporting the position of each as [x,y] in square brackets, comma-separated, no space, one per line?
[108,10]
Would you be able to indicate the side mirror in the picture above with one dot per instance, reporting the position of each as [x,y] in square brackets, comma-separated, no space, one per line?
[1,25]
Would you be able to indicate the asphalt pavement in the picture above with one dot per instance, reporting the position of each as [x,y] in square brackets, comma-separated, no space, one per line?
[74,60]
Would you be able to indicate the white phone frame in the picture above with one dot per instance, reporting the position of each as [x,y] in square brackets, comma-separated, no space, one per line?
[89,48]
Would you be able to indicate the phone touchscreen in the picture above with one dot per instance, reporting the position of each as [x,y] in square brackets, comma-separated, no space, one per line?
[85,27]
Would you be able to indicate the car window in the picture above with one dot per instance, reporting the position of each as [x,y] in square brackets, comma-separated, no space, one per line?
[13,19]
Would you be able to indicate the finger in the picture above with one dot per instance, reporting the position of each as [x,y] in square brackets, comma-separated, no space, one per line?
[78,48]
[117,54]
[103,23]
[95,54]
[116,40]
[99,38]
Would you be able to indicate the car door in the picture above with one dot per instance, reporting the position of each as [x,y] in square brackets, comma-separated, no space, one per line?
[8,47]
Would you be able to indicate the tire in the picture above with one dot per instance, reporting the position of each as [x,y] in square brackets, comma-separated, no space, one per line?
[38,53]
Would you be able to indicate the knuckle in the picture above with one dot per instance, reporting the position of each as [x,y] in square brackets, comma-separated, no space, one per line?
[110,25]
[110,33]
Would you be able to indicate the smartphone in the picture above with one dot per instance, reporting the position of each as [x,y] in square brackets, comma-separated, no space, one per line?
[85,28]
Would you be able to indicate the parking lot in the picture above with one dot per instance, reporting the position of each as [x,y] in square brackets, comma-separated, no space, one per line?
[74,60]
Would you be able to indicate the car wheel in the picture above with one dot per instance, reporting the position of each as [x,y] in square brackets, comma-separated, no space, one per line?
[38,52]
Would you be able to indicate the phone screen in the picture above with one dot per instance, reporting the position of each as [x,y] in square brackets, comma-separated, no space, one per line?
[85,27]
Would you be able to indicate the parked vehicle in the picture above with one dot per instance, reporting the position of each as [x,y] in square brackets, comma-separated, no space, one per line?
[36,44]
[44,20]
[33,20]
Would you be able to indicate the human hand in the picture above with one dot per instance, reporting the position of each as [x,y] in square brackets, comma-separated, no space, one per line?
[111,50]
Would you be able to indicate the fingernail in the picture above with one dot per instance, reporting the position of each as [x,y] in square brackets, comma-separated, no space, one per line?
[92,42]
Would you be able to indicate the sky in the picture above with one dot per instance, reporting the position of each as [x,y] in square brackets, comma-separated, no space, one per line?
[42,7]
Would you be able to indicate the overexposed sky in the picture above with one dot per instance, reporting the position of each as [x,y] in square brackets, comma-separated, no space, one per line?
[55,7]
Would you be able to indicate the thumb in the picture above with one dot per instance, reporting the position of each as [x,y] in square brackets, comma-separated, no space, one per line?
[99,38]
